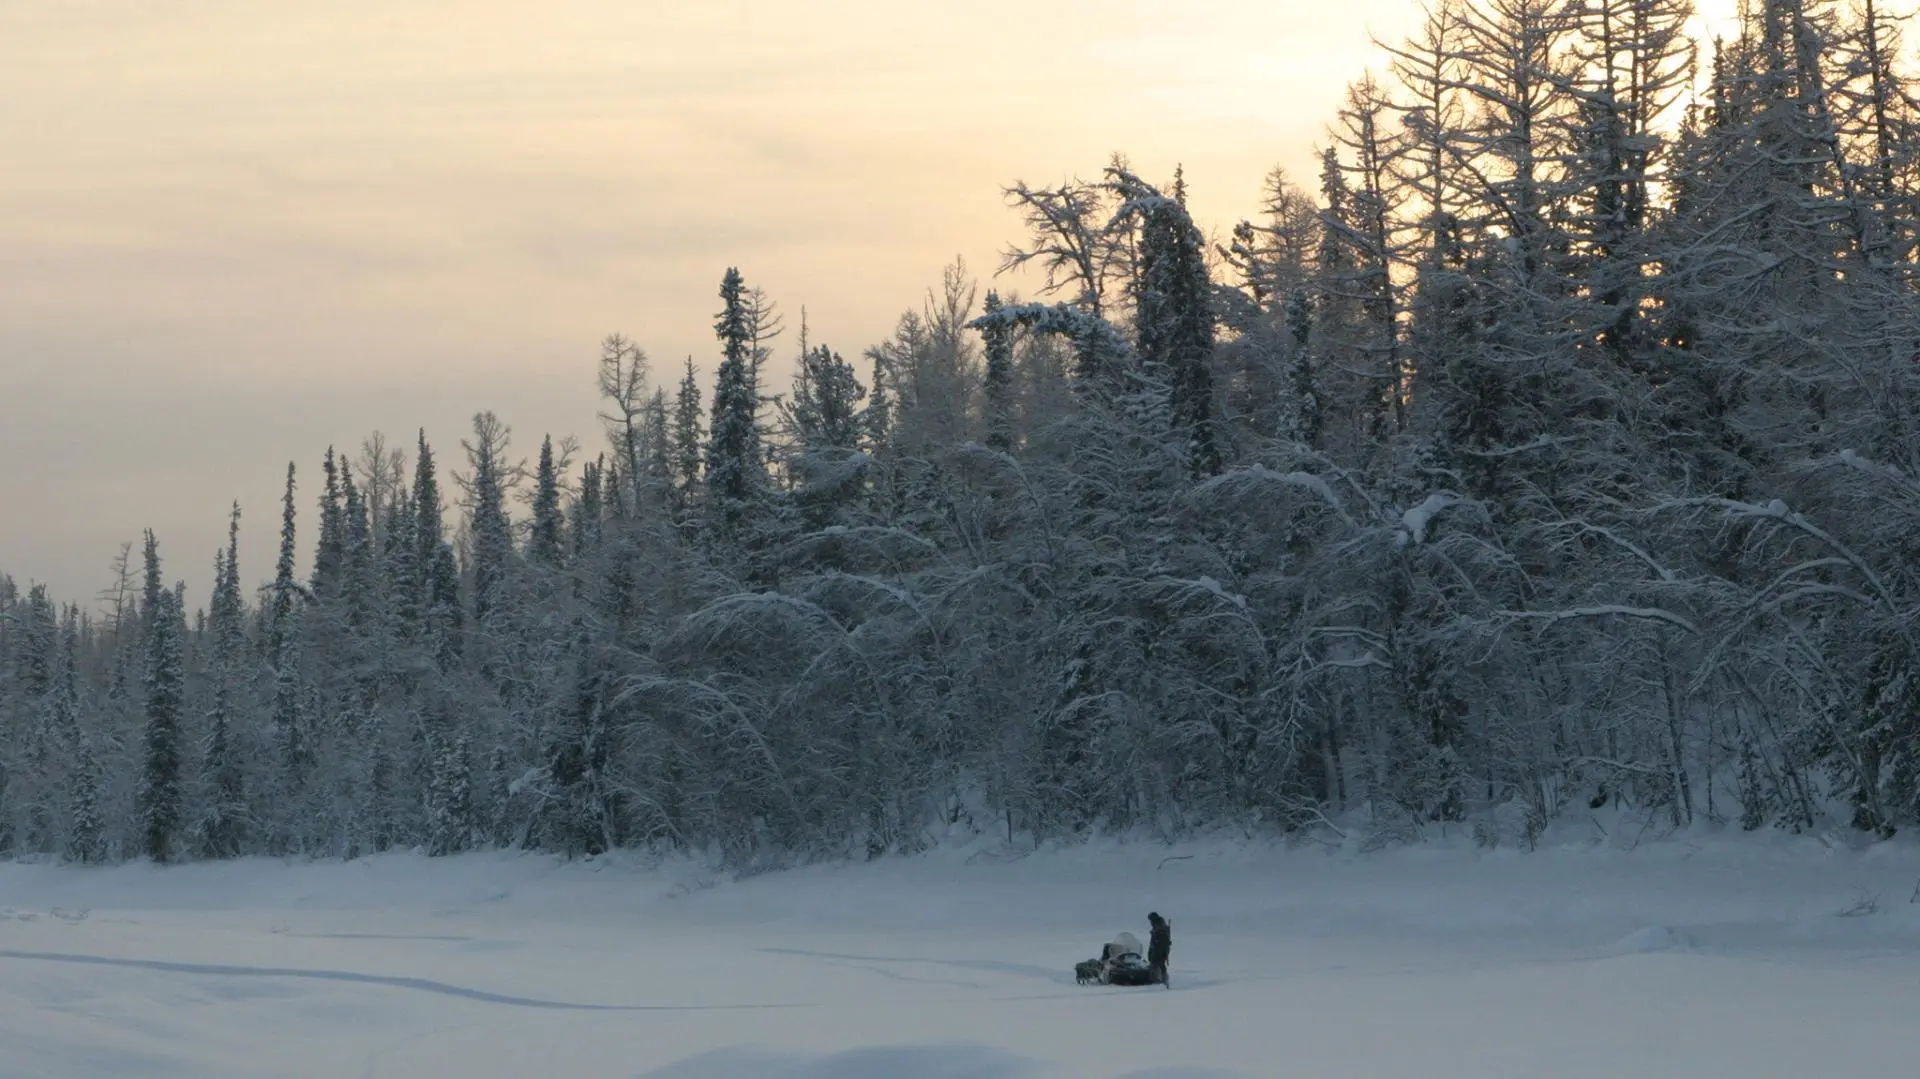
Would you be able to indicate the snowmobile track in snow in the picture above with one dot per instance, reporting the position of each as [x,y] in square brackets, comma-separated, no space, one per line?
[425,985]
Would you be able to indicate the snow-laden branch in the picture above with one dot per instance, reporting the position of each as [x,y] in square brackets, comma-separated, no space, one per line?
[1851,459]
[1416,519]
[1609,610]
[1101,347]
[1624,766]
[1641,553]
[1777,510]
[1259,479]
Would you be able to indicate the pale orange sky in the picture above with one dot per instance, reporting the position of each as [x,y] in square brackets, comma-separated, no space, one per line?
[234,232]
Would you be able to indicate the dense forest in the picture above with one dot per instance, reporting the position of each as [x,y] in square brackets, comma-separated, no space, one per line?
[1556,450]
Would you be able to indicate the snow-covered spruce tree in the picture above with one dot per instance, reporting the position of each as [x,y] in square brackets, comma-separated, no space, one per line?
[29,703]
[588,518]
[687,441]
[330,547]
[79,826]
[546,542]
[429,528]
[822,420]
[576,816]
[736,479]
[998,338]
[877,417]
[1173,315]
[221,826]
[659,488]
[284,594]
[1304,419]
[358,576]
[449,802]
[399,573]
[351,683]
[824,410]
[11,706]
[9,599]
[436,586]
[492,552]
[290,739]
[150,583]
[34,790]
[161,780]
[87,841]
[446,628]
[9,635]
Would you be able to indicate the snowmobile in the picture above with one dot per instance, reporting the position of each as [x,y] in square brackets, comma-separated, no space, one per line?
[1120,963]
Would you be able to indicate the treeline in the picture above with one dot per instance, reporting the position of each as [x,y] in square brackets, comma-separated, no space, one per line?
[1558,451]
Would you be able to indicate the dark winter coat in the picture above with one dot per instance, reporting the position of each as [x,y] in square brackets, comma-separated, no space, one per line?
[1160,943]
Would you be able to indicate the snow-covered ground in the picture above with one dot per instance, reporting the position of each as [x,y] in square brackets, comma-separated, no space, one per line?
[1707,957]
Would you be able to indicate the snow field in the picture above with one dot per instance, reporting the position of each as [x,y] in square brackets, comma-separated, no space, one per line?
[1705,957]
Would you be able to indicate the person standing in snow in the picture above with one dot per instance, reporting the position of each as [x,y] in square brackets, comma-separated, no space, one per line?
[1159,945]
